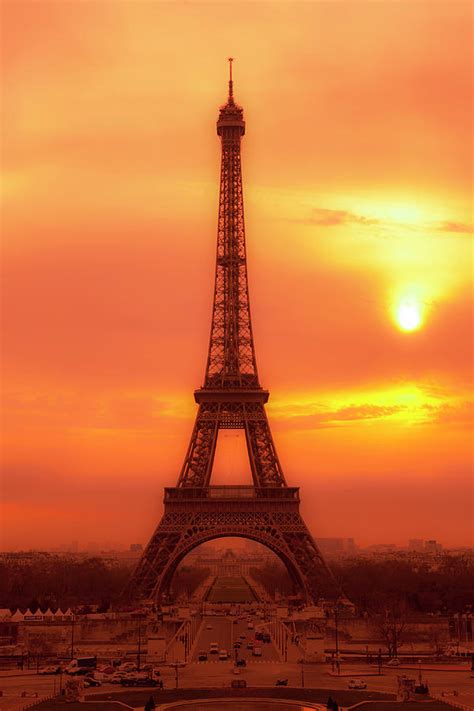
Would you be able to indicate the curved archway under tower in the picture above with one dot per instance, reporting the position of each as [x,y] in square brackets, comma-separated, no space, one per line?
[251,571]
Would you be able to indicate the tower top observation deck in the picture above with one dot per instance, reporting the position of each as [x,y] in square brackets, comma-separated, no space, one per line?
[231,115]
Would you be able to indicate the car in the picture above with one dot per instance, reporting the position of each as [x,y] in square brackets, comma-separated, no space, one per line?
[213,648]
[51,669]
[237,645]
[243,636]
[223,655]
[139,681]
[117,678]
[393,662]
[250,626]
[209,627]
[128,667]
[90,681]
[257,652]
[235,622]
[357,684]
[240,663]
[105,670]
[266,637]
[202,657]
[238,684]
[259,635]
[250,645]
[82,671]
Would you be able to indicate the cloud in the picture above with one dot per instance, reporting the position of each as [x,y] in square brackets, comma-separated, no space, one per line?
[333,418]
[455,227]
[461,413]
[331,218]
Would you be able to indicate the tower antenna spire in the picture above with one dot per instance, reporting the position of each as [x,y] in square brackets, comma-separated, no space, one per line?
[231,83]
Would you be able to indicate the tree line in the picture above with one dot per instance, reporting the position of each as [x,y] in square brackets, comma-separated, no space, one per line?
[445,585]
[51,581]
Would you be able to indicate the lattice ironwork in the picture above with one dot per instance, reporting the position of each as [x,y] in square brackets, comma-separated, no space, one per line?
[231,398]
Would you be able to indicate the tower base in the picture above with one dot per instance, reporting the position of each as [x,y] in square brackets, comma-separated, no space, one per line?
[267,515]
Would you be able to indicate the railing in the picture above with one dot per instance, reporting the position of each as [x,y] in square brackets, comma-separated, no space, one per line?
[187,493]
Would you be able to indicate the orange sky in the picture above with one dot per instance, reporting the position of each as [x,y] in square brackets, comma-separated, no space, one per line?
[357,172]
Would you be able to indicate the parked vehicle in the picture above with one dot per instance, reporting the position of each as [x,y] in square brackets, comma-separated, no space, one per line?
[223,655]
[257,652]
[240,663]
[139,681]
[250,645]
[281,682]
[90,681]
[357,684]
[259,635]
[214,648]
[202,657]
[243,636]
[238,684]
[117,678]
[250,626]
[266,637]
[51,669]
[76,665]
[128,667]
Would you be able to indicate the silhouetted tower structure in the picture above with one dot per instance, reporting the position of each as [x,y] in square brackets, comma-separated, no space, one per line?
[231,398]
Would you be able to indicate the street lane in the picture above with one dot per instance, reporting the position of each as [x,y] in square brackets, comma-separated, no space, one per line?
[220,632]
[228,629]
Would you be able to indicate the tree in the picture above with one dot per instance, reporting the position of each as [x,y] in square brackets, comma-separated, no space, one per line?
[392,625]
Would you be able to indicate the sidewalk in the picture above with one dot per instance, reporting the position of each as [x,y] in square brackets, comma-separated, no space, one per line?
[18,672]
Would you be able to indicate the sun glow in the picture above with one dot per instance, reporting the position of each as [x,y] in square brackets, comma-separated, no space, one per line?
[409,315]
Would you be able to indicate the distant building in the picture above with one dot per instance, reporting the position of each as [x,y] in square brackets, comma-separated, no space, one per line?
[433,546]
[382,548]
[136,547]
[416,544]
[336,547]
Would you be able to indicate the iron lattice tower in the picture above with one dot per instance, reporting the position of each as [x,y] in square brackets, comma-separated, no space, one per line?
[231,398]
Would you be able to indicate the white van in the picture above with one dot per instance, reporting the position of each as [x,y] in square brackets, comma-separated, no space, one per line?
[81,665]
[257,652]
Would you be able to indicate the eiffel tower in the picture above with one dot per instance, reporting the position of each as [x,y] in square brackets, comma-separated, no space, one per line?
[231,398]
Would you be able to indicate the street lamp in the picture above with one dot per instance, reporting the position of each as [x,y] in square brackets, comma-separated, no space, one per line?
[73,619]
[139,643]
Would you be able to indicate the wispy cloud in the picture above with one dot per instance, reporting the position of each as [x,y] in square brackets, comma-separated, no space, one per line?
[455,227]
[332,218]
[324,217]
[334,417]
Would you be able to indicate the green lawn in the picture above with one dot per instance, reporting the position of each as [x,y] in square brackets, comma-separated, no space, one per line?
[230,589]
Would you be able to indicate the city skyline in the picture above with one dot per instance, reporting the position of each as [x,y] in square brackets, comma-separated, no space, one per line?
[358,237]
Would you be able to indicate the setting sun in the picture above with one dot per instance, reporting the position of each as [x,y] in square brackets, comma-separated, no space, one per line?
[409,315]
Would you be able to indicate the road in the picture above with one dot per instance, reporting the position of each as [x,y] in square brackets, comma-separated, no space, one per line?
[225,631]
